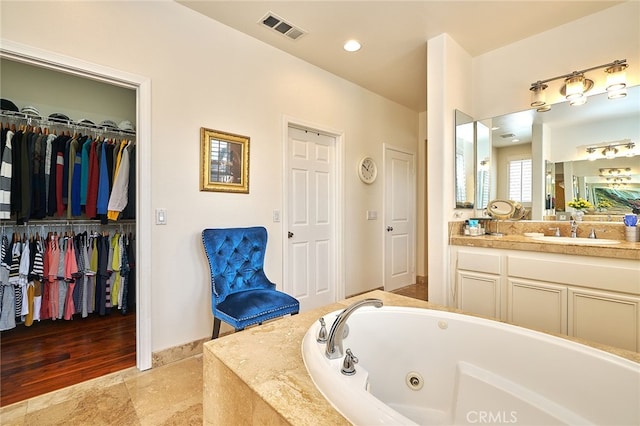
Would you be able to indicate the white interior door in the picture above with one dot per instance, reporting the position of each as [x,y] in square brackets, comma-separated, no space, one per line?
[399,214]
[310,258]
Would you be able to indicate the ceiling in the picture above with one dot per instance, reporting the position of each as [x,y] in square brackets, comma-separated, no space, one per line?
[393,34]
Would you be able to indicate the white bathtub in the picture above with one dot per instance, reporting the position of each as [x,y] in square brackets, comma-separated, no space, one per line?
[473,371]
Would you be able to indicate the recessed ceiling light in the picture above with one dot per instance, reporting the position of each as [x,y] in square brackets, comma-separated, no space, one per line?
[352,46]
[515,140]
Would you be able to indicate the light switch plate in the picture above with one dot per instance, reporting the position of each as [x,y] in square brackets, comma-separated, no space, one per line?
[161,216]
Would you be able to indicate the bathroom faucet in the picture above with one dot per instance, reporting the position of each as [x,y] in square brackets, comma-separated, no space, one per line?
[574,229]
[336,334]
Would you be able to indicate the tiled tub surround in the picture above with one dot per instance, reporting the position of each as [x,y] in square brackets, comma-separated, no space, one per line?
[514,239]
[257,376]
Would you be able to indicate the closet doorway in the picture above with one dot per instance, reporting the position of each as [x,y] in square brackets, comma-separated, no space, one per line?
[136,327]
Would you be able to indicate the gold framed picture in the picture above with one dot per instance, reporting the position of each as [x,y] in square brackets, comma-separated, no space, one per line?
[224,161]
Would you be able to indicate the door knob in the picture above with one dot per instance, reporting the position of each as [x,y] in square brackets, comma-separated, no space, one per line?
[289,234]
[389,228]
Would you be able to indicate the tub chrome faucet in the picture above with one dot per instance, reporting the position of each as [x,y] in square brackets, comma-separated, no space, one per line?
[336,333]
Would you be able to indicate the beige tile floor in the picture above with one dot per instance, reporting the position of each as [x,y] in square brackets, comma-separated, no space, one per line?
[166,395]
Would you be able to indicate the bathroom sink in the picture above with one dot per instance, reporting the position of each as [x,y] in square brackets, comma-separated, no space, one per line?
[581,241]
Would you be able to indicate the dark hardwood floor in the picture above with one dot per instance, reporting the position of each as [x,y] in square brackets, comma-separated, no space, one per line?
[51,355]
[417,291]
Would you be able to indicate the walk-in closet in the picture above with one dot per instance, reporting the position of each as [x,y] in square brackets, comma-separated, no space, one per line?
[67,229]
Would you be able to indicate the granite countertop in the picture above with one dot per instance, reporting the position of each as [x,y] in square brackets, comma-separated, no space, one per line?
[623,250]
[268,359]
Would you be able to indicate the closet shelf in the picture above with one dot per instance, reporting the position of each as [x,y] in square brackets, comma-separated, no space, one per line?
[30,120]
[63,222]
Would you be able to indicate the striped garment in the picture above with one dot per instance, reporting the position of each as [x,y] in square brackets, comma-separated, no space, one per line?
[5,179]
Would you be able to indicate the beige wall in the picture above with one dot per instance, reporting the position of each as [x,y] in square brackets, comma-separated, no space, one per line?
[500,82]
[203,74]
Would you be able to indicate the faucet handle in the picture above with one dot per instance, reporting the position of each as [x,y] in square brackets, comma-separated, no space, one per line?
[322,333]
[557,229]
[349,363]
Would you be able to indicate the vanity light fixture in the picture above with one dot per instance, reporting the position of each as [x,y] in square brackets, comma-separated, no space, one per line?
[576,85]
[615,172]
[610,150]
[538,98]
[616,80]
[575,88]
[630,149]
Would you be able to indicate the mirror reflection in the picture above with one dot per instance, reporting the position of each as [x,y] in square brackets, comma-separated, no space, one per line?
[465,183]
[542,159]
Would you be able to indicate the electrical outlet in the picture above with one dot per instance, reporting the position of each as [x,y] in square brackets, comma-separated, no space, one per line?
[276,215]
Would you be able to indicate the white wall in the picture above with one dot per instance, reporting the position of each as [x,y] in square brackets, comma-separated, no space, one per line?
[500,82]
[203,74]
[449,83]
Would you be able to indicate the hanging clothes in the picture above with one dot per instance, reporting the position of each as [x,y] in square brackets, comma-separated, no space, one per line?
[45,174]
[119,193]
[5,178]
[70,275]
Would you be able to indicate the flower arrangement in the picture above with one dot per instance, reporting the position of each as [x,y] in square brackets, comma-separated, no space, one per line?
[580,204]
[604,204]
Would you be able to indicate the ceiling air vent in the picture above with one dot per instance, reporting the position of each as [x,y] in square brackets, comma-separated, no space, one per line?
[507,135]
[278,24]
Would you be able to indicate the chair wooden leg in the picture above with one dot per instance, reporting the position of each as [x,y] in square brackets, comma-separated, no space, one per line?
[216,328]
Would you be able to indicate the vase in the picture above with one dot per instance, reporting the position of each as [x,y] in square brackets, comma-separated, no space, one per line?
[579,215]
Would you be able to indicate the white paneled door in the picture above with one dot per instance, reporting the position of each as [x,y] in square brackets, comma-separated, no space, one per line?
[311,244]
[399,214]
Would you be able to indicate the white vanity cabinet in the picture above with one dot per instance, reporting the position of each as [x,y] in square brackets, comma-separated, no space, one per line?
[605,317]
[479,281]
[538,305]
[586,297]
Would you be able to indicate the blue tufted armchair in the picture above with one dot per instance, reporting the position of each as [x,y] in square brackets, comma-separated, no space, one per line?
[241,294]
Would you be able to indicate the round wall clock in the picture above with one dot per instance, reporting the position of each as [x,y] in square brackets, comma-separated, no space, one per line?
[367,170]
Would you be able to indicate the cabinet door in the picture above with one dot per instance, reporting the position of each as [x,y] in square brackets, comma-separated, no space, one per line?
[478,293]
[537,305]
[605,317]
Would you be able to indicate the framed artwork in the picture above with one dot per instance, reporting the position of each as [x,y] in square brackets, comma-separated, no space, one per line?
[224,162]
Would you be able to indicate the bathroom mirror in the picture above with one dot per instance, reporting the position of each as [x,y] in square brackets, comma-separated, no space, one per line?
[465,185]
[560,137]
[483,165]
[613,186]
